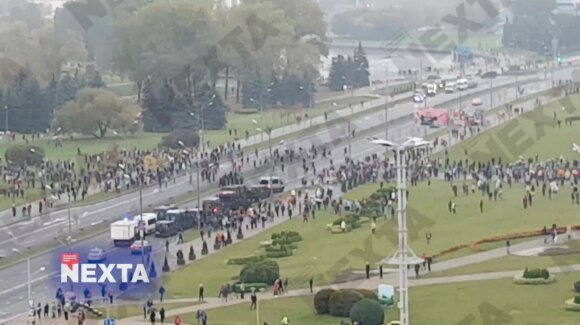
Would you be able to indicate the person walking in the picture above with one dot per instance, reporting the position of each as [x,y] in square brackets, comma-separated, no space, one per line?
[152,316]
[368,270]
[161,293]
[481,206]
[310,284]
[162,314]
[177,320]
[381,271]
[254,300]
[201,290]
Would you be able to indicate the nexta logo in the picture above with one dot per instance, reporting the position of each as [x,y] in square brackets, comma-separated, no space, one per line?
[71,270]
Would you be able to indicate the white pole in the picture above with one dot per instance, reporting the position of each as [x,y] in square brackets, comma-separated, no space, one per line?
[403,243]
[28,282]
[257,312]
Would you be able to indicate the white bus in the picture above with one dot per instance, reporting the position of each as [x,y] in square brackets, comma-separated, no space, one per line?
[149,220]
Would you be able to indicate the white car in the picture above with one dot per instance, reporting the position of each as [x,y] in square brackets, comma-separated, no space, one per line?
[96,255]
[477,102]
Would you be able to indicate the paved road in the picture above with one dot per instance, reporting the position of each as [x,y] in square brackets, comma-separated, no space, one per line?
[13,296]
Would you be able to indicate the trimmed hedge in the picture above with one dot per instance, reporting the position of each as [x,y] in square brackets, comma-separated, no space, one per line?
[290,236]
[577,300]
[266,271]
[577,286]
[536,280]
[339,302]
[279,254]
[245,260]
[321,300]
[536,274]
[368,312]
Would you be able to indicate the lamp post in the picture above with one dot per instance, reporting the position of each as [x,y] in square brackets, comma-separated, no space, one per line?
[387,58]
[29,275]
[268,131]
[404,255]
[142,220]
[197,186]
[6,119]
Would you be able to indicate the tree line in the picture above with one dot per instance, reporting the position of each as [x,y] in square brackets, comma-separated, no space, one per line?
[175,52]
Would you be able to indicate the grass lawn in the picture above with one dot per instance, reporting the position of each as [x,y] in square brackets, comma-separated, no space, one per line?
[329,258]
[511,263]
[274,118]
[124,311]
[535,133]
[478,302]
[88,144]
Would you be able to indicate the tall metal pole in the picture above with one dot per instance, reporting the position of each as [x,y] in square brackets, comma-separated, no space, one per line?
[198,194]
[6,119]
[201,138]
[142,222]
[69,217]
[402,232]
[490,93]
[28,282]
[386,96]
[349,139]
[261,110]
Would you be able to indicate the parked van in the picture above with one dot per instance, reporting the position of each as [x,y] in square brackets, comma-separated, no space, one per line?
[273,182]
[148,220]
[462,84]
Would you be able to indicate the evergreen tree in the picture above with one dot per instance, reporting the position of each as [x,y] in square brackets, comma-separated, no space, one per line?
[67,90]
[29,109]
[337,77]
[361,68]
[214,109]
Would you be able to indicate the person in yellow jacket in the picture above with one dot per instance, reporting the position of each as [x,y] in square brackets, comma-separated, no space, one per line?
[285,320]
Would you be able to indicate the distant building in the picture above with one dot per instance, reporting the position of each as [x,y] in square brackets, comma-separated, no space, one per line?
[230,3]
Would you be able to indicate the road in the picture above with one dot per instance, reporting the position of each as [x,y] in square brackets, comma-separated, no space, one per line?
[13,289]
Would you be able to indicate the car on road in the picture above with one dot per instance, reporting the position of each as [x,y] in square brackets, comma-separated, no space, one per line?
[449,87]
[274,183]
[418,96]
[489,75]
[477,102]
[96,255]
[138,247]
[472,84]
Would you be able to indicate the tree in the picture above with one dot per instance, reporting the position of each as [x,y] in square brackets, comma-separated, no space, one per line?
[338,73]
[361,68]
[29,106]
[95,112]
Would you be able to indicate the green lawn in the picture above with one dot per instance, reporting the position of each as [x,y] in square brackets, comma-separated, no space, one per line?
[511,263]
[329,258]
[274,118]
[535,133]
[478,302]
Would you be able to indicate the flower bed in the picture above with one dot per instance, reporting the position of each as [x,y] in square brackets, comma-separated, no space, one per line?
[534,277]
[573,304]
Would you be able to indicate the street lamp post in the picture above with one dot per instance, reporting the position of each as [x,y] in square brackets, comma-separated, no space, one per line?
[404,255]
[387,58]
[197,158]
[6,119]
[268,131]
[29,276]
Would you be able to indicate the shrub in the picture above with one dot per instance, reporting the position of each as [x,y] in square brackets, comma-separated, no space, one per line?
[265,271]
[279,254]
[341,302]
[287,236]
[368,294]
[22,154]
[321,301]
[536,274]
[367,312]
[189,138]
[577,300]
[577,286]
[245,260]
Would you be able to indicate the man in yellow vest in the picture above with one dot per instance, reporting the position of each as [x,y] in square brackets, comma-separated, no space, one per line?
[285,320]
